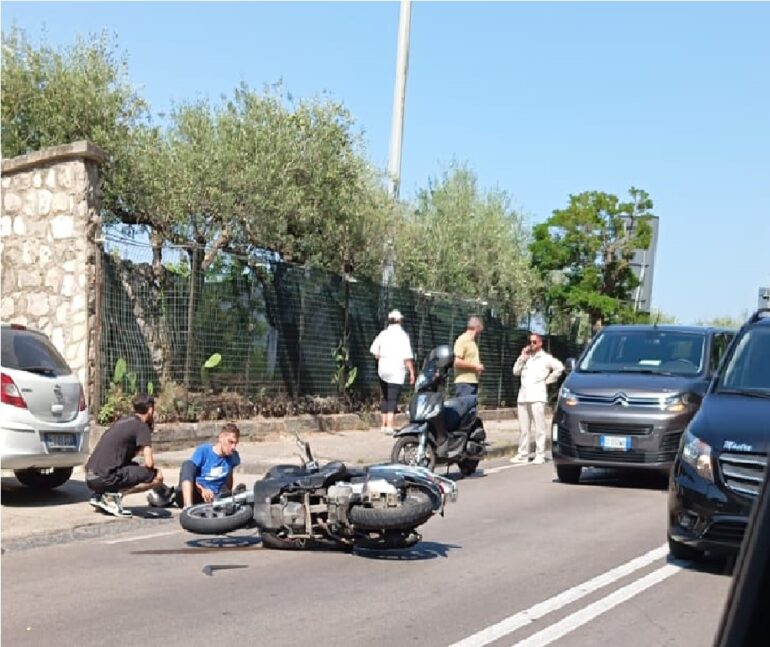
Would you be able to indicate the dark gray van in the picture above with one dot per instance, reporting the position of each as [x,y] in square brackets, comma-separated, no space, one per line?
[629,397]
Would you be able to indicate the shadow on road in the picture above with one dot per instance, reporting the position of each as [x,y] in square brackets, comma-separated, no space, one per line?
[17,495]
[713,564]
[637,480]
[422,551]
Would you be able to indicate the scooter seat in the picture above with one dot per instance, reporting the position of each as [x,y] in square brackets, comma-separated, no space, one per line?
[461,405]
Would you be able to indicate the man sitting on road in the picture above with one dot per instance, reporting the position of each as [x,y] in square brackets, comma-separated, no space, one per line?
[209,472]
[111,471]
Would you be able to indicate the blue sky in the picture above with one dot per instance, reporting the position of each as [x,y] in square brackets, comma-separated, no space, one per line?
[541,99]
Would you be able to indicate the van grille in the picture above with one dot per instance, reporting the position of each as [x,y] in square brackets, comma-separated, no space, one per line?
[611,429]
[743,473]
[729,532]
[667,452]
[613,400]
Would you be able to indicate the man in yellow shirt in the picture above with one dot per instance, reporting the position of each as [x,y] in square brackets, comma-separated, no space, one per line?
[468,366]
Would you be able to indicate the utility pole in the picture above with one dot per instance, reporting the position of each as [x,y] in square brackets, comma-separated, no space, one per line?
[397,127]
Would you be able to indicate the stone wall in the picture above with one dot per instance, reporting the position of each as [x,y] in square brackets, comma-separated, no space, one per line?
[50,221]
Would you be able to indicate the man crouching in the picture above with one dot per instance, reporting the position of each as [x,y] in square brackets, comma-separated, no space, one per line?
[111,471]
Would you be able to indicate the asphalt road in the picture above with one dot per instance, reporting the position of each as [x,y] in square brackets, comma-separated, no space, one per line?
[520,559]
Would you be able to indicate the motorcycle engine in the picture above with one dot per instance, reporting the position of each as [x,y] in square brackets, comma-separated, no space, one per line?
[293,515]
[338,499]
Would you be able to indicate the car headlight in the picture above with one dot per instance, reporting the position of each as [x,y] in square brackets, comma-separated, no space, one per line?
[697,453]
[675,403]
[567,397]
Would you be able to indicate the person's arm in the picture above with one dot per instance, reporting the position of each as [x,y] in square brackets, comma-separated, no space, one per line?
[410,367]
[149,459]
[374,349]
[518,367]
[557,368]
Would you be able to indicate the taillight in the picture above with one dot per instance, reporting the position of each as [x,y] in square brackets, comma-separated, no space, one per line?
[82,404]
[10,393]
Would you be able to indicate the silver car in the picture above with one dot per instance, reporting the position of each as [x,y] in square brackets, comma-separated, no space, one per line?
[44,421]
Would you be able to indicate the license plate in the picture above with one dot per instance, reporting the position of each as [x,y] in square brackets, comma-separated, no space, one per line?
[60,441]
[622,443]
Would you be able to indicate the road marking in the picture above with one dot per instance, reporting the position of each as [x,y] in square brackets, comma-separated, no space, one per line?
[585,615]
[516,621]
[140,537]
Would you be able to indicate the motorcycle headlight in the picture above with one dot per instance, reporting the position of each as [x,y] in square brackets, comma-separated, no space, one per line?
[697,453]
[426,405]
[567,397]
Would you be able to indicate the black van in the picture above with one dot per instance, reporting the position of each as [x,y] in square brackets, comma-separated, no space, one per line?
[721,463]
[628,399]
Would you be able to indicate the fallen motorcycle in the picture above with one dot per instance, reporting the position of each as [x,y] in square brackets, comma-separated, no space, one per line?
[295,507]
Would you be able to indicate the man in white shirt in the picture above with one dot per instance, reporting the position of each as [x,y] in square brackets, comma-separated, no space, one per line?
[394,357]
[537,369]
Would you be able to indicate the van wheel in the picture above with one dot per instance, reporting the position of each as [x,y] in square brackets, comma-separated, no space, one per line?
[43,479]
[568,473]
[683,551]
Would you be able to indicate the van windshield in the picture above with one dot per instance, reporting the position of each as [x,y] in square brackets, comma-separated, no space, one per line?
[748,368]
[646,351]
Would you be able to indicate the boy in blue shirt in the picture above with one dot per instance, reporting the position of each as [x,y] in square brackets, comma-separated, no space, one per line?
[210,470]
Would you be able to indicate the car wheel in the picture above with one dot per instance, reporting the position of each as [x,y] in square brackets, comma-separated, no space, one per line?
[568,473]
[43,479]
[682,551]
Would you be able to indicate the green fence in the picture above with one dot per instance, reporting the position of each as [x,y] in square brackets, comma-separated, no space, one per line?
[276,327]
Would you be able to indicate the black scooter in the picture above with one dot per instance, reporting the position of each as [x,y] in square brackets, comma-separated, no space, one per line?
[440,432]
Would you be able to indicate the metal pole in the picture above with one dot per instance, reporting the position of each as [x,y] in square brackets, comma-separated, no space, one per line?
[397,126]
[399,98]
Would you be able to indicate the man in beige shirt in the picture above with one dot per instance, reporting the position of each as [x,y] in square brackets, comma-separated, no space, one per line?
[537,369]
[467,365]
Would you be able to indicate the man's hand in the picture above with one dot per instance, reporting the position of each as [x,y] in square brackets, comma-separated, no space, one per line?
[208,495]
[525,352]
[479,368]
[411,379]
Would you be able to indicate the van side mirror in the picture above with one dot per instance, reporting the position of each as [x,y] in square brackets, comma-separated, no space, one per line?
[569,364]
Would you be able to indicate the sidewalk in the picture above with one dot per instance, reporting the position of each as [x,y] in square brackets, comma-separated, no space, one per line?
[31,519]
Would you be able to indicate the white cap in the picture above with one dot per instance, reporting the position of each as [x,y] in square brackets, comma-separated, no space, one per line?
[395,314]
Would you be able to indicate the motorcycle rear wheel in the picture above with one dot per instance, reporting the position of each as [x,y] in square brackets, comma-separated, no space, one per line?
[415,509]
[205,519]
[405,452]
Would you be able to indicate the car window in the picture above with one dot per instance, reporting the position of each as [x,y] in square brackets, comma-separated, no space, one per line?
[649,351]
[748,368]
[25,350]
[719,347]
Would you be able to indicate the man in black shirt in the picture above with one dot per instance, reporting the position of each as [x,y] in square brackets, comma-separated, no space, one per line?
[111,471]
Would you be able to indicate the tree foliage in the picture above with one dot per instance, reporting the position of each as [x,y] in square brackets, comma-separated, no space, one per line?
[53,96]
[258,172]
[725,321]
[461,240]
[583,253]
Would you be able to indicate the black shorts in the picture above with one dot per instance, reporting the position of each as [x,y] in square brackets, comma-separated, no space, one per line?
[122,478]
[390,393]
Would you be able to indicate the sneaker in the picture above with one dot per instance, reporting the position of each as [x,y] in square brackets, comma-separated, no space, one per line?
[520,459]
[238,489]
[539,460]
[112,503]
[388,430]
[95,501]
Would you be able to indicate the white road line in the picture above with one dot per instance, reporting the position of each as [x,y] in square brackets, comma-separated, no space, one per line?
[140,537]
[586,614]
[522,618]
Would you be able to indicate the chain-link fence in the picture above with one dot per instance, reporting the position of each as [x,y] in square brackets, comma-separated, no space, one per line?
[279,329]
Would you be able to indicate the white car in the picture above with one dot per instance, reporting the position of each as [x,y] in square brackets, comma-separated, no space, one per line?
[44,421]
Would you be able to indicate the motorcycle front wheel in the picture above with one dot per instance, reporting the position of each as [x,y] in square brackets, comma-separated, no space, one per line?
[405,452]
[212,519]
